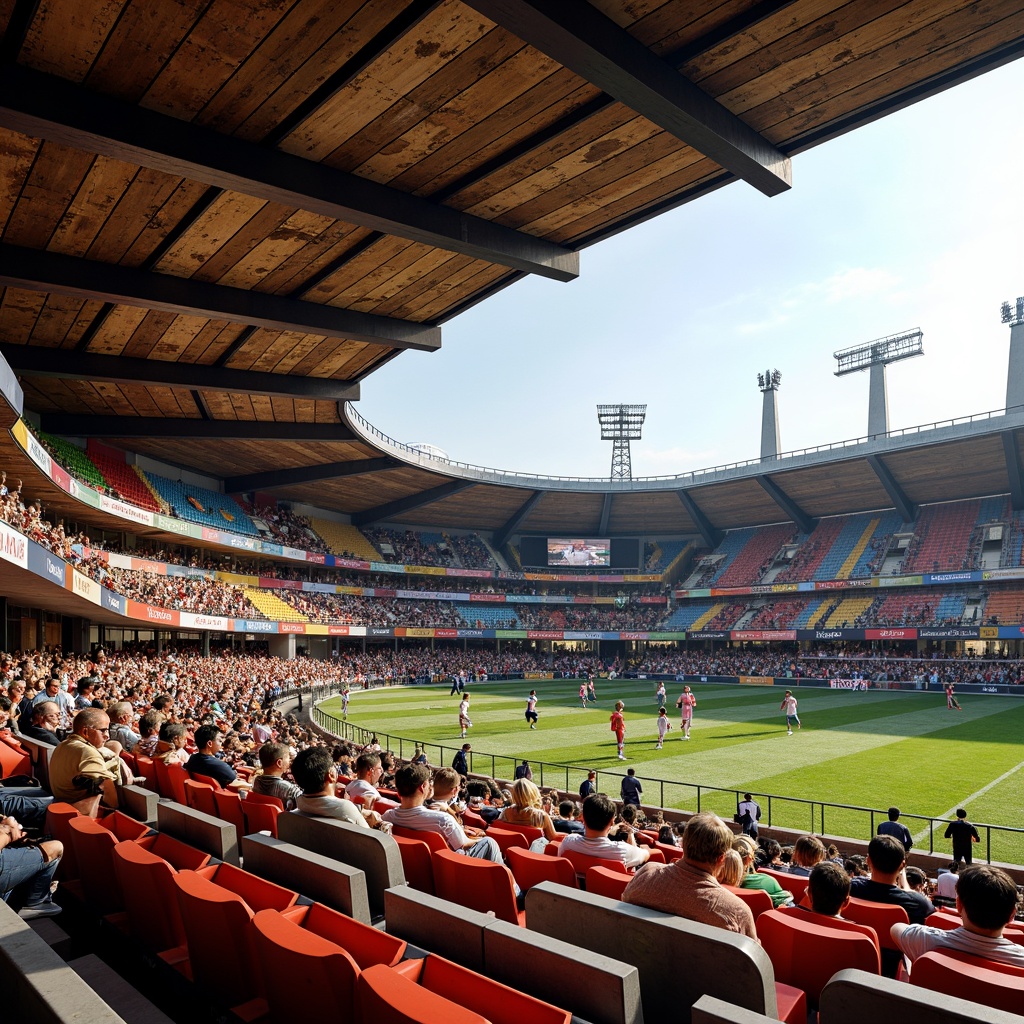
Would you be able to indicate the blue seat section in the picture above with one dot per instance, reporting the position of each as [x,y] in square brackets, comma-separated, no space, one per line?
[215,509]
[888,524]
[844,543]
[951,606]
[993,510]
[686,615]
[670,551]
[800,622]
[489,616]
[1014,548]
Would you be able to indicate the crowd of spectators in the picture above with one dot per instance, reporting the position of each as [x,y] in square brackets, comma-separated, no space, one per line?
[288,527]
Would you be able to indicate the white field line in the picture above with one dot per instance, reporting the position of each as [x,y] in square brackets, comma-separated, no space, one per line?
[974,796]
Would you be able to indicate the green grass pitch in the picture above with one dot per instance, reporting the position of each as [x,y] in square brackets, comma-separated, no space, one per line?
[869,749]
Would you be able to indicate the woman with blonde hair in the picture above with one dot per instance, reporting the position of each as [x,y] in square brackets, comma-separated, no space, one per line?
[807,851]
[526,809]
[746,848]
[730,871]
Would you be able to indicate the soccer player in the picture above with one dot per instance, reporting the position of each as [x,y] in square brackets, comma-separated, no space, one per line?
[531,709]
[464,722]
[663,727]
[346,694]
[583,694]
[660,695]
[590,688]
[789,706]
[618,726]
[686,703]
[951,701]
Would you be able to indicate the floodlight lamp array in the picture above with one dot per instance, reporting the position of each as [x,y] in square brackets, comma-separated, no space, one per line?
[621,422]
[769,380]
[1013,315]
[880,352]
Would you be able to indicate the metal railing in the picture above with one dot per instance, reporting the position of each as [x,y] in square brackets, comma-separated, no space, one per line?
[1000,842]
[440,464]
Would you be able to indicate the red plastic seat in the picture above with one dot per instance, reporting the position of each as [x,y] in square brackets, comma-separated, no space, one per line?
[199,796]
[171,780]
[259,817]
[14,759]
[508,839]
[58,814]
[880,916]
[531,832]
[602,881]
[757,899]
[417,862]
[583,862]
[796,884]
[672,853]
[477,884]
[262,798]
[146,767]
[981,981]
[206,780]
[92,844]
[433,839]
[385,995]
[806,953]
[229,808]
[530,869]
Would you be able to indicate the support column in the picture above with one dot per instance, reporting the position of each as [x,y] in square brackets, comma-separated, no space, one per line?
[1015,367]
[878,402]
[771,443]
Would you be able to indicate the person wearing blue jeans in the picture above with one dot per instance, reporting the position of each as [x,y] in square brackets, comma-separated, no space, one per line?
[26,872]
[26,803]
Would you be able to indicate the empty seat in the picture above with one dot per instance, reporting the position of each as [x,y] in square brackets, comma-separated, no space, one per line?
[531,869]
[605,882]
[417,862]
[508,839]
[477,884]
[757,899]
[93,841]
[199,796]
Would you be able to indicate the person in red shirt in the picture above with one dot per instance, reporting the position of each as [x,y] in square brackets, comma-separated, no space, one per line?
[618,725]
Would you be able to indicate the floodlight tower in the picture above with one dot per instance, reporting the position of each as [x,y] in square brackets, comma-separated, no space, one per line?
[771,442]
[1014,316]
[621,424]
[876,356]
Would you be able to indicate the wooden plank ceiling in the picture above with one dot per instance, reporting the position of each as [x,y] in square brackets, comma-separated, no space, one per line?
[218,213]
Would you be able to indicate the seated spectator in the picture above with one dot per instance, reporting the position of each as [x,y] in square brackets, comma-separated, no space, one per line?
[856,866]
[945,884]
[479,792]
[53,693]
[205,761]
[122,717]
[80,772]
[987,900]
[526,809]
[317,777]
[564,822]
[917,880]
[769,855]
[598,821]
[752,879]
[730,871]
[828,891]
[667,835]
[415,787]
[170,747]
[26,872]
[688,887]
[42,728]
[276,759]
[887,884]
[419,757]
[446,784]
[807,851]
[364,786]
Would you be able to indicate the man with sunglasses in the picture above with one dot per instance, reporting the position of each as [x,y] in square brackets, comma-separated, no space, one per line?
[80,773]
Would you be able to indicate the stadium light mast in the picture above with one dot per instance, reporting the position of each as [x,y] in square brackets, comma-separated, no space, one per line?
[876,356]
[771,442]
[621,424]
[1014,316]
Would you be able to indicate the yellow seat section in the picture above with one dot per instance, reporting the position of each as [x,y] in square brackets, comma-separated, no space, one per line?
[342,538]
[848,610]
[858,549]
[272,606]
[707,616]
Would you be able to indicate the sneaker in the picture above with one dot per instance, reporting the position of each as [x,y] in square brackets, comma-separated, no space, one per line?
[686,737]
[789,732]
[622,757]
[35,910]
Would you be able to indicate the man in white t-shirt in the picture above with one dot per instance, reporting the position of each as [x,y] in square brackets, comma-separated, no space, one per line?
[598,818]
[414,786]
[945,884]
[315,772]
[364,786]
[789,706]
[987,901]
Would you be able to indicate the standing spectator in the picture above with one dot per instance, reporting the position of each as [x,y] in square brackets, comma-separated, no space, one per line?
[464,722]
[893,828]
[631,789]
[748,811]
[588,785]
[618,726]
[460,762]
[964,836]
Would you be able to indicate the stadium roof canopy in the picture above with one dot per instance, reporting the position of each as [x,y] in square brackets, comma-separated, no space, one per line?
[217,219]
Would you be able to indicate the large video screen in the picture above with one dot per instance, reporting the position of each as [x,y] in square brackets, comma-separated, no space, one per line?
[566,552]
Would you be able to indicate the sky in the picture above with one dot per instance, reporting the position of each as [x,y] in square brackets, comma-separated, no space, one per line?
[916,220]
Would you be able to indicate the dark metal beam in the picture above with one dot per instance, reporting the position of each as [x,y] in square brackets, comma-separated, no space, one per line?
[711,534]
[1011,452]
[906,508]
[501,536]
[606,511]
[402,505]
[46,107]
[71,425]
[587,42]
[69,275]
[275,478]
[33,361]
[787,504]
